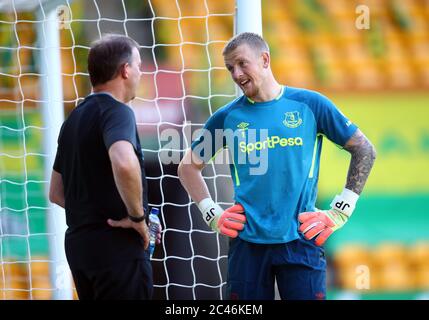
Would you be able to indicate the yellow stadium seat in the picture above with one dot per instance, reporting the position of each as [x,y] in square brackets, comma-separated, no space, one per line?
[40,282]
[386,253]
[401,75]
[422,277]
[75,296]
[41,290]
[193,30]
[391,261]
[423,74]
[165,8]
[396,277]
[351,255]
[192,8]
[215,54]
[418,254]
[195,56]
[220,28]
[220,6]
[15,286]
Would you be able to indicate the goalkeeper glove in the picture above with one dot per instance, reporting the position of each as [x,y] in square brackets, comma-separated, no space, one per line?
[227,222]
[324,222]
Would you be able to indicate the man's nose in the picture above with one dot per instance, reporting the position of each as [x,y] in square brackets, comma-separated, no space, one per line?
[237,73]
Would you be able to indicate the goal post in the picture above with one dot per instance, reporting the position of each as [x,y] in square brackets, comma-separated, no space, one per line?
[51,85]
[248,16]
[50,101]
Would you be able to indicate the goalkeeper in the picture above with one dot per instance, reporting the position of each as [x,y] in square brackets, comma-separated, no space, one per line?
[276,231]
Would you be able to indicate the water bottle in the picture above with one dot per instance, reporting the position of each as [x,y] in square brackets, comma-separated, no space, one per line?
[154,224]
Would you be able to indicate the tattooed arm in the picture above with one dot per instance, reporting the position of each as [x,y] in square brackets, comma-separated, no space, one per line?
[363,156]
[321,224]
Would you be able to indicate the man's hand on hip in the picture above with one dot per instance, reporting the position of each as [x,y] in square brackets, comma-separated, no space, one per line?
[140,227]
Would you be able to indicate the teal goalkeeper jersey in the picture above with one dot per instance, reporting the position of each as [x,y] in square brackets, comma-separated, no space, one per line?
[274,150]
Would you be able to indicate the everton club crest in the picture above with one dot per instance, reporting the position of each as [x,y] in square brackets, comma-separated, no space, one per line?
[292,119]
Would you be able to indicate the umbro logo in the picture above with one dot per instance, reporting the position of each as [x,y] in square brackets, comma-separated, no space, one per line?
[243,126]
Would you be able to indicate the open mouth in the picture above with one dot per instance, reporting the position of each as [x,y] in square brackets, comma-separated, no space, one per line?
[244,83]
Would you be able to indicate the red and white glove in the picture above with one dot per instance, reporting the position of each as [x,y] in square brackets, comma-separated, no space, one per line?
[323,223]
[227,222]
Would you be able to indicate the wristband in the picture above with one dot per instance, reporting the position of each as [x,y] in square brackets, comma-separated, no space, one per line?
[209,210]
[345,202]
[136,219]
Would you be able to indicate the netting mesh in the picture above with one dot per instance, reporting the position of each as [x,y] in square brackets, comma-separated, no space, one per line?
[183,82]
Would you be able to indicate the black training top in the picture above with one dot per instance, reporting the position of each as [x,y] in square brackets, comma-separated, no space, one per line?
[91,195]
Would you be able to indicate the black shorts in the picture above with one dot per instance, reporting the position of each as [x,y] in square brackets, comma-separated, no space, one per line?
[126,280]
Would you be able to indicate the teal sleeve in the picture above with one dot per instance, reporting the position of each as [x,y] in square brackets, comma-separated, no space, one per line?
[211,138]
[331,122]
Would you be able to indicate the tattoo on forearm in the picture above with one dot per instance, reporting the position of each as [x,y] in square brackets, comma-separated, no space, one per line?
[363,156]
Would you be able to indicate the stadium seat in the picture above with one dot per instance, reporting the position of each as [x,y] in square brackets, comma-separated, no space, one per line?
[351,255]
[188,27]
[219,28]
[418,254]
[165,8]
[422,278]
[220,6]
[386,253]
[40,282]
[350,261]
[15,281]
[396,277]
[393,266]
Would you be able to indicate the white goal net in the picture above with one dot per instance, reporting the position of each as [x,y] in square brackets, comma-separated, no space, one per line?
[184,81]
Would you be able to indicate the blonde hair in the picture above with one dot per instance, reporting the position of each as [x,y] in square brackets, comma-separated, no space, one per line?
[253,40]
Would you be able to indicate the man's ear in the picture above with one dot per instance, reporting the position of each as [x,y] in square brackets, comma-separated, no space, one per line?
[124,70]
[265,59]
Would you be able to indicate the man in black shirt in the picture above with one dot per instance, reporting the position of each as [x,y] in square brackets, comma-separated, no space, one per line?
[99,178]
